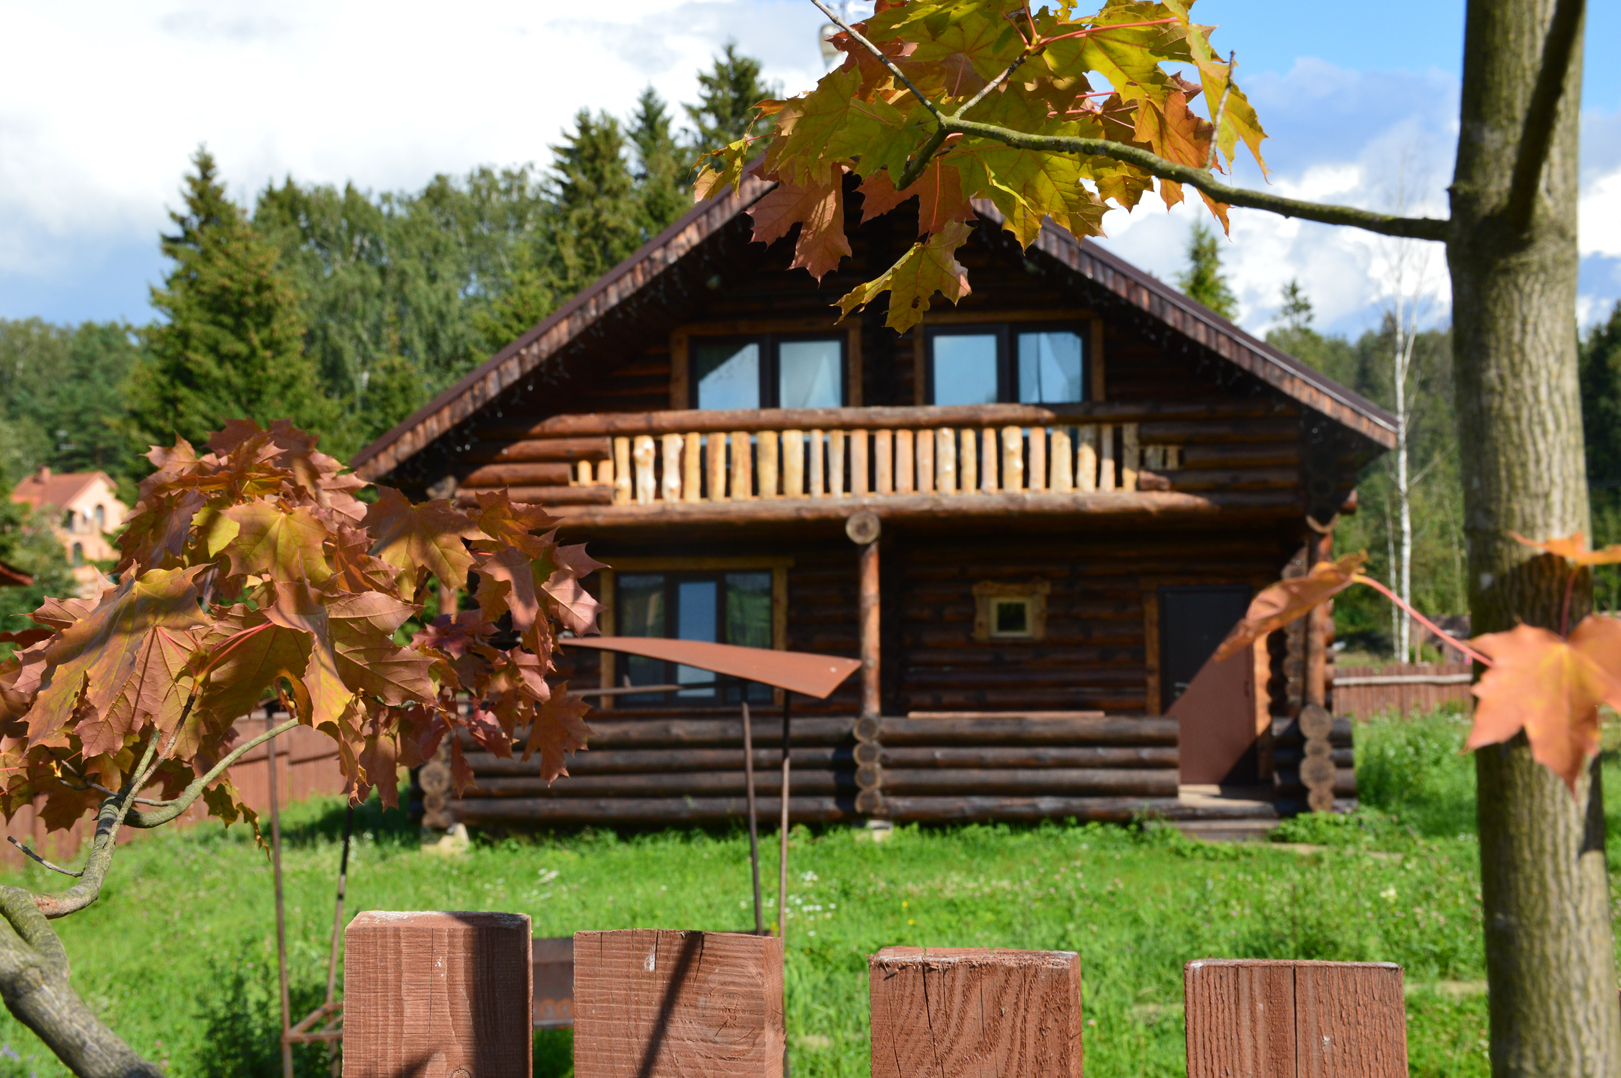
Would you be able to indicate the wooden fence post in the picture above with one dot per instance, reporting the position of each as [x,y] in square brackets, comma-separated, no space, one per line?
[944,1012]
[656,1004]
[437,994]
[1271,1019]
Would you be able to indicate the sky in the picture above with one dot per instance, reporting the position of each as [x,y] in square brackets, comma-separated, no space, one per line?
[103,101]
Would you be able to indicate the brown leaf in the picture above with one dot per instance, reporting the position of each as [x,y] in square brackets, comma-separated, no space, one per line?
[514,524]
[1574,548]
[426,536]
[571,603]
[557,729]
[281,544]
[1550,688]
[506,582]
[938,191]
[1279,604]
[380,759]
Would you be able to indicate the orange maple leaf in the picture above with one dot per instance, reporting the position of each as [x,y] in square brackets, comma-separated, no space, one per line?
[1574,548]
[1283,602]
[819,210]
[1551,689]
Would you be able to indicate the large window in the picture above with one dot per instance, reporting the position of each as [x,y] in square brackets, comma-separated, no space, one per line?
[724,608]
[1031,364]
[768,371]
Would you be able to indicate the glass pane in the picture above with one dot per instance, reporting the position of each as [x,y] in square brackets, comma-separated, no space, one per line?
[728,375]
[808,375]
[641,613]
[748,609]
[965,368]
[696,603]
[1050,368]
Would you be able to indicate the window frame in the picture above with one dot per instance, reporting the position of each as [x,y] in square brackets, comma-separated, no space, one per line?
[770,361]
[725,686]
[1007,351]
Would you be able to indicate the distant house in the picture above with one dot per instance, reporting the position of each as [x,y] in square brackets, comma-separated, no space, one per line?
[86,508]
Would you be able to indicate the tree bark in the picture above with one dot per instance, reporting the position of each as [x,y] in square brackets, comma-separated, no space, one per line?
[1549,948]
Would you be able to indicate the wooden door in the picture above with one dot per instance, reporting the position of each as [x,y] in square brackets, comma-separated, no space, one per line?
[1213,702]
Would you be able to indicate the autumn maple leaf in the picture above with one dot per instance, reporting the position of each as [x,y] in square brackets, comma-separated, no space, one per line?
[557,730]
[930,266]
[1551,689]
[428,535]
[1279,604]
[1574,548]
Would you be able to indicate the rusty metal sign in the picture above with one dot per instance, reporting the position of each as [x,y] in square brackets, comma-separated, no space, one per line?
[796,671]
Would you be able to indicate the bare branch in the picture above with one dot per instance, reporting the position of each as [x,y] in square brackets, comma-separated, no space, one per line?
[876,51]
[40,860]
[1536,136]
[993,84]
[180,804]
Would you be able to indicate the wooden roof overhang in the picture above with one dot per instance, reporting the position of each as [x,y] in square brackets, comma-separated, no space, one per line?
[656,289]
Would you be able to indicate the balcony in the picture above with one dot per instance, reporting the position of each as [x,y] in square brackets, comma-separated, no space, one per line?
[916,461]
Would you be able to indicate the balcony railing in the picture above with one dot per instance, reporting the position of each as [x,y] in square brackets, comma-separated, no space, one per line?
[711,456]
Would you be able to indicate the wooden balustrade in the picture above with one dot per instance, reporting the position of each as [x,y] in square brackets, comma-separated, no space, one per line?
[742,465]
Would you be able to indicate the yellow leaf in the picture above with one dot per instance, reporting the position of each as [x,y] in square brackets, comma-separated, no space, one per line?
[929,267]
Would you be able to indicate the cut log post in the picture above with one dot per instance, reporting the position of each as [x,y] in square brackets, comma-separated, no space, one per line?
[1129,456]
[883,458]
[691,468]
[656,1004]
[1288,1019]
[767,465]
[858,463]
[835,463]
[715,448]
[742,466]
[1063,465]
[925,462]
[969,1011]
[1037,480]
[621,474]
[987,460]
[643,452]
[670,485]
[1013,458]
[437,994]
[1106,456]
[817,465]
[793,464]
[945,460]
[905,462]
[970,462]
[605,473]
[1086,459]
[583,473]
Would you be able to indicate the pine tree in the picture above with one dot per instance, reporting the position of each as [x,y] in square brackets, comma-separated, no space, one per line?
[725,96]
[661,168]
[1203,280]
[596,216]
[231,343]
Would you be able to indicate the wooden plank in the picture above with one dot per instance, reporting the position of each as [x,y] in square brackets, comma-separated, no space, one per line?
[552,959]
[1130,456]
[642,453]
[1012,458]
[621,472]
[1106,477]
[742,466]
[1286,1019]
[768,443]
[715,450]
[1086,465]
[969,481]
[883,457]
[950,1012]
[1038,458]
[987,461]
[691,468]
[945,444]
[925,461]
[905,462]
[1063,462]
[670,483]
[793,464]
[859,474]
[434,993]
[660,1004]
[835,463]
[818,465]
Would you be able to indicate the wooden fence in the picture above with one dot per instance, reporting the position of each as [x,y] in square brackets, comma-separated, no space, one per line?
[306,765]
[1403,688]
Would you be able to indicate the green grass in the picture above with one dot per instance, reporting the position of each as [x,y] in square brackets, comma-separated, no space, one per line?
[179,955]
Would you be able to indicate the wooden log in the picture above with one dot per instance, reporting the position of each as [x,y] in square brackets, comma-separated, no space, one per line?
[642,452]
[883,459]
[905,462]
[605,473]
[793,464]
[859,475]
[1071,782]
[1012,458]
[1106,474]
[552,959]
[507,811]
[925,461]
[961,1011]
[768,443]
[1038,458]
[696,784]
[715,452]
[585,477]
[1104,809]
[869,620]
[1130,456]
[987,461]
[450,988]
[621,474]
[742,466]
[1283,1018]
[1021,730]
[670,482]
[664,733]
[818,465]
[970,462]
[538,450]
[945,460]
[835,462]
[597,494]
[691,469]
[1086,462]
[657,1004]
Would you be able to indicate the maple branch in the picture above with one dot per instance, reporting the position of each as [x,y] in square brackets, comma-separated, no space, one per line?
[180,804]
[36,857]
[876,51]
[1536,135]
[1421,619]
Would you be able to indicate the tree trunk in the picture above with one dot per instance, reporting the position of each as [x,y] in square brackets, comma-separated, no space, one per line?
[1550,957]
[40,997]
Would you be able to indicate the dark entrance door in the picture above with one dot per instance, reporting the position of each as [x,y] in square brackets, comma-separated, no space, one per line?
[1215,702]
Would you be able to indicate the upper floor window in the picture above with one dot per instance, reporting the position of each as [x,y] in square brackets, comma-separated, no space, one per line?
[101,517]
[990,364]
[768,371]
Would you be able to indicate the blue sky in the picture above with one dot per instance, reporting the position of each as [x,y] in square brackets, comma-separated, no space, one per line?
[101,107]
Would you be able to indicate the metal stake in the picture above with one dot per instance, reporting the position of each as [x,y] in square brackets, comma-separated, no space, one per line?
[281,919]
[782,861]
[754,818]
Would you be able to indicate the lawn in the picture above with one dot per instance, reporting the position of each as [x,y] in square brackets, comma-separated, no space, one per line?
[179,954]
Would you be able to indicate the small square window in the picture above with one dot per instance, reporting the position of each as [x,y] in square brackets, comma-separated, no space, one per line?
[1007,611]
[1010,617]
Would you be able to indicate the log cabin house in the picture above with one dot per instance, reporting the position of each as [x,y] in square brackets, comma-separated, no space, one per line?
[1078,478]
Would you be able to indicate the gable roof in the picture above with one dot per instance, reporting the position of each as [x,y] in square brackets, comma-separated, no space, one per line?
[59,489]
[657,258]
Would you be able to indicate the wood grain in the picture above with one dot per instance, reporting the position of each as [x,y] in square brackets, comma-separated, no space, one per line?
[970,1012]
[661,1004]
[434,995]
[1271,1019]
